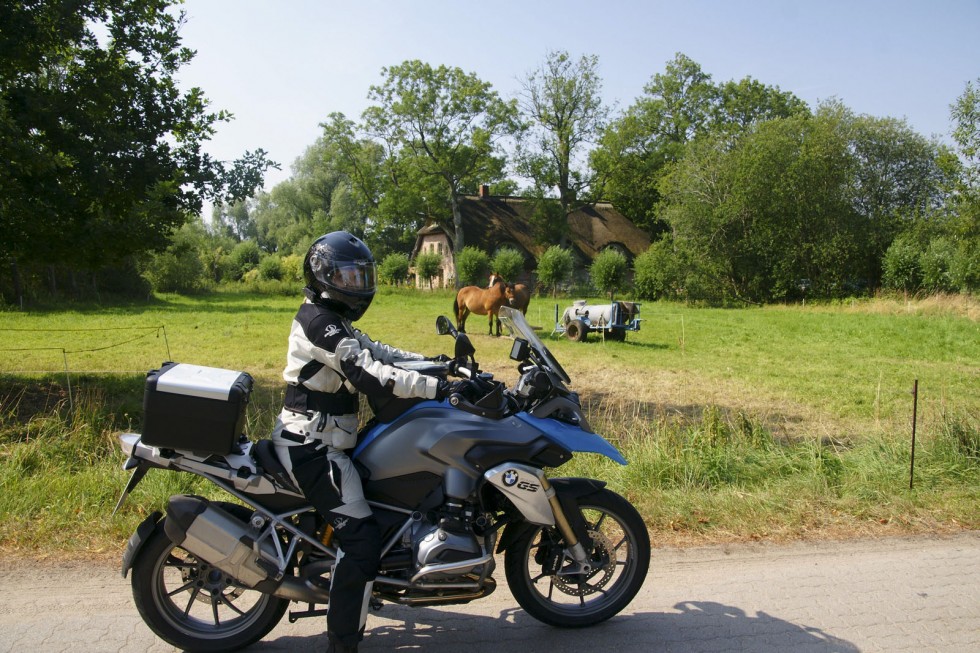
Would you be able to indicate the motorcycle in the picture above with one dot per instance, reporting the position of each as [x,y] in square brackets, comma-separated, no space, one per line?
[451,483]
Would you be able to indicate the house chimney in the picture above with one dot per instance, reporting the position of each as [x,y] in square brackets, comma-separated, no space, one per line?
[484,191]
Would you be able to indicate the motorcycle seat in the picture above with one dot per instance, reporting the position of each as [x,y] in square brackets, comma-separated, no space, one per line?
[264,452]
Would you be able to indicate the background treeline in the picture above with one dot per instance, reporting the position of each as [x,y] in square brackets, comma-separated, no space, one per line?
[749,193]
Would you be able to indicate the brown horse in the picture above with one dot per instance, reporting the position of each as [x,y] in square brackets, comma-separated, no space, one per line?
[522,297]
[482,301]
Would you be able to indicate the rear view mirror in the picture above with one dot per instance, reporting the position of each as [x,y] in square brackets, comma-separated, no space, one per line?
[444,326]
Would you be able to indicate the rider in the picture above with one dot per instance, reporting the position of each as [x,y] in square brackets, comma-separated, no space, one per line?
[328,363]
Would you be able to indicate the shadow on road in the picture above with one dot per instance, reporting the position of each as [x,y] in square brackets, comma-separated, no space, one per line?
[696,626]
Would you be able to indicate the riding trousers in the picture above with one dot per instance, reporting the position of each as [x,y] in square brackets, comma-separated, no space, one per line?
[330,481]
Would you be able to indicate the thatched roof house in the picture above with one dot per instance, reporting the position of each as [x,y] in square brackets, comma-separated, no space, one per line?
[494,222]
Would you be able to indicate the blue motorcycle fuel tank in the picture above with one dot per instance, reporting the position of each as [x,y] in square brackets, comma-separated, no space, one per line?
[410,455]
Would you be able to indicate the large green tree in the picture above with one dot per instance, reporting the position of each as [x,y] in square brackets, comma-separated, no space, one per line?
[799,204]
[562,99]
[445,124]
[101,154]
[676,107]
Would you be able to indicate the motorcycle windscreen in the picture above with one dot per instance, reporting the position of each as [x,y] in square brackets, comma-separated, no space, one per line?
[573,438]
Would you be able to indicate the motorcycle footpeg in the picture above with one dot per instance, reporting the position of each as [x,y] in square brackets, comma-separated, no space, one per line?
[296,615]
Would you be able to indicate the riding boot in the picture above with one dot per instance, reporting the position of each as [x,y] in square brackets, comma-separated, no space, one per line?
[336,646]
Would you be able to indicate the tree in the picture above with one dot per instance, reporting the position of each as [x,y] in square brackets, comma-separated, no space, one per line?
[180,267]
[554,267]
[965,112]
[446,123]
[608,271]
[394,268]
[965,199]
[101,154]
[427,266]
[563,100]
[472,266]
[815,198]
[674,107]
[508,263]
[677,107]
[902,270]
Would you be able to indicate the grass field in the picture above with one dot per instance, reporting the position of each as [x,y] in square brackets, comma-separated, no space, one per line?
[778,422]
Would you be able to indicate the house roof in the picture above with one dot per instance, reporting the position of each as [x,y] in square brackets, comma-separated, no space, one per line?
[494,220]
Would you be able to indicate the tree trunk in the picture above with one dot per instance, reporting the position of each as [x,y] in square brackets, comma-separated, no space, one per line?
[458,243]
[52,281]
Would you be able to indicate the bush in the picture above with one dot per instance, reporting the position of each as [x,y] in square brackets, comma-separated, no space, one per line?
[554,267]
[271,268]
[427,266]
[964,267]
[473,267]
[292,267]
[608,271]
[394,268]
[508,263]
[179,268]
[935,263]
[242,258]
[901,269]
[657,273]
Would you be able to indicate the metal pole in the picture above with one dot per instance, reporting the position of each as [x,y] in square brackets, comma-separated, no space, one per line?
[166,342]
[915,406]
[71,401]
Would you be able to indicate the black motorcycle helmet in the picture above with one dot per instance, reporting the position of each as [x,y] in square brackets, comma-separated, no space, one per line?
[339,271]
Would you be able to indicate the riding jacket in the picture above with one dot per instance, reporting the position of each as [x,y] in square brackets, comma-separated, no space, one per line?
[328,362]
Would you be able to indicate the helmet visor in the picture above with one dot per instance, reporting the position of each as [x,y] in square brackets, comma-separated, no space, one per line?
[352,277]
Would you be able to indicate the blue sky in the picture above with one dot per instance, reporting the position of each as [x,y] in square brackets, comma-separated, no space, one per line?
[281,67]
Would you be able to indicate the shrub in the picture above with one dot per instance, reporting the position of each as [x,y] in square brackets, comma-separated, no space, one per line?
[657,273]
[242,258]
[935,263]
[427,266]
[508,263]
[179,268]
[271,268]
[964,267]
[608,271]
[554,267]
[394,268]
[473,267]
[292,267]
[901,269]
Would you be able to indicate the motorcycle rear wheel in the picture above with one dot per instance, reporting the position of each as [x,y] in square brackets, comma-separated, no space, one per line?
[620,553]
[195,606]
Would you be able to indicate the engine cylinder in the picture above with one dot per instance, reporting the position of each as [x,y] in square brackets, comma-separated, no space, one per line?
[217,537]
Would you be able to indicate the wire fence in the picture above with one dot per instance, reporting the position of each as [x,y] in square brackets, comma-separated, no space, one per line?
[26,361]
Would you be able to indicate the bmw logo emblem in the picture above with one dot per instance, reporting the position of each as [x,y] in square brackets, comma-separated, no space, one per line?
[510,477]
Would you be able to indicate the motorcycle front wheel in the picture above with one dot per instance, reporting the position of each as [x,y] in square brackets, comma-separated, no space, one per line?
[195,606]
[619,557]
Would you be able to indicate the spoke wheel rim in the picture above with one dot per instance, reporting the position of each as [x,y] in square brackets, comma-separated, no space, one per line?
[200,600]
[614,557]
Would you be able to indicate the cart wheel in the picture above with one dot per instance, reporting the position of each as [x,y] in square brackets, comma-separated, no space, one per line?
[616,334]
[576,331]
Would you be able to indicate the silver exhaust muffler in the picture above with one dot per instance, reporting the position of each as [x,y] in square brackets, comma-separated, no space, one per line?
[217,537]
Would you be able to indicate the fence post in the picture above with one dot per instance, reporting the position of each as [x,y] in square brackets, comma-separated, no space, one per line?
[915,407]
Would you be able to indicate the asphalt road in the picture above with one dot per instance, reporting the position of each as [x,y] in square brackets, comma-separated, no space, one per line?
[915,594]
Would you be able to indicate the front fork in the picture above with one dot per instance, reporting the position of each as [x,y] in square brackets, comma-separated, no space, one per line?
[575,549]
[547,502]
